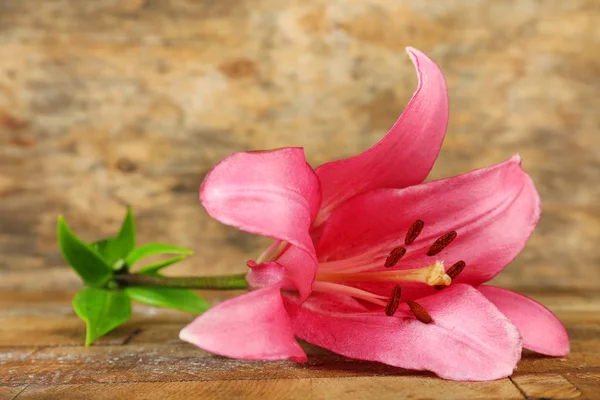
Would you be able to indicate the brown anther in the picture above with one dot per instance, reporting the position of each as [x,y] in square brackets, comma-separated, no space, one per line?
[420,312]
[456,269]
[394,301]
[441,243]
[395,255]
[453,272]
[413,232]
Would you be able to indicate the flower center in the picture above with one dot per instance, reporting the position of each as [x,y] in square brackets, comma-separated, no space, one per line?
[338,276]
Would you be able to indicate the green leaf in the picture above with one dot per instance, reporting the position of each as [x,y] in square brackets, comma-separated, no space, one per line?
[114,249]
[100,246]
[81,257]
[153,249]
[102,310]
[152,269]
[179,299]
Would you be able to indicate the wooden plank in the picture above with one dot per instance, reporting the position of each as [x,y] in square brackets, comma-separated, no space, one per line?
[316,388]
[548,386]
[182,362]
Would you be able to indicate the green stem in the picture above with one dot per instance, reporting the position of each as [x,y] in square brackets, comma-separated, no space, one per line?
[225,282]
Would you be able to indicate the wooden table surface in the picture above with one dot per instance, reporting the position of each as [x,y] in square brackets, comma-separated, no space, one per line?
[145,360]
[105,103]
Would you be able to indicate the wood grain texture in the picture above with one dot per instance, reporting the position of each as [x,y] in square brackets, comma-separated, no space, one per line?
[300,389]
[105,103]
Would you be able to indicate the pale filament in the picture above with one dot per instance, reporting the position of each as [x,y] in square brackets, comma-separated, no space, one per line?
[330,287]
[272,252]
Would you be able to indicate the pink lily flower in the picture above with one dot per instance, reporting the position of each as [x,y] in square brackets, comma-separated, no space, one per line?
[373,264]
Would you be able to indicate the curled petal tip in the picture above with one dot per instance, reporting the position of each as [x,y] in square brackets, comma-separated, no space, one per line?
[411,50]
[405,155]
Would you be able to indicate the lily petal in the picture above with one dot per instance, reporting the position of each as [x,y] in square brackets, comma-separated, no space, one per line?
[493,210]
[405,155]
[270,193]
[254,326]
[456,345]
[542,331]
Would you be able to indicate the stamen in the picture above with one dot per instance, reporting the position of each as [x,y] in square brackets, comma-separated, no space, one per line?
[420,312]
[441,243]
[413,232]
[394,301]
[328,287]
[456,269]
[272,252]
[453,272]
[395,256]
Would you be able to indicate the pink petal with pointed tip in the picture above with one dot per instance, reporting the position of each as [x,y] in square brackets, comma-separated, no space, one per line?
[494,211]
[542,331]
[270,193]
[469,340]
[254,326]
[405,155]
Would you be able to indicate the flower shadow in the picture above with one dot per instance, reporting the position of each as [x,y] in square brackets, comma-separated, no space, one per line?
[325,364]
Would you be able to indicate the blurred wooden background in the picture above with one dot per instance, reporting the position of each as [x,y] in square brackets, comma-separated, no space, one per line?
[106,103]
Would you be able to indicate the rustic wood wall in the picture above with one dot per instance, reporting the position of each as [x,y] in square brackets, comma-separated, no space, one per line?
[109,102]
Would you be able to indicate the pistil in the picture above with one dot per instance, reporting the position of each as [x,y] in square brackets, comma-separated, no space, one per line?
[431,275]
[453,272]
